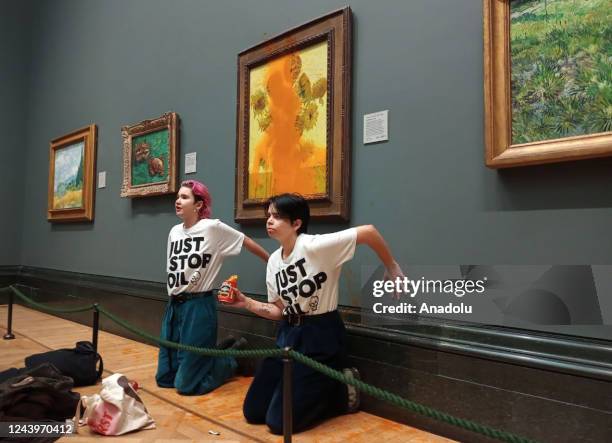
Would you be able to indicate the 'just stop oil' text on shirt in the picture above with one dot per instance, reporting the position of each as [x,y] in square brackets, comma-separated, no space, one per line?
[195,255]
[307,280]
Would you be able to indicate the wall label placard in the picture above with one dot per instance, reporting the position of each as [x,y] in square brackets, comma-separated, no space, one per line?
[376,127]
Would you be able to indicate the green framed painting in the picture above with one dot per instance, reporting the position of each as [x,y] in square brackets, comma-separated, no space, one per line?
[150,157]
[548,80]
[71,171]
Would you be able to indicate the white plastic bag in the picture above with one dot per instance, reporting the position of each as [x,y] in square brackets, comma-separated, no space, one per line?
[116,410]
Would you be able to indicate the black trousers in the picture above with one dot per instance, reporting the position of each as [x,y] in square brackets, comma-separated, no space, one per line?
[315,396]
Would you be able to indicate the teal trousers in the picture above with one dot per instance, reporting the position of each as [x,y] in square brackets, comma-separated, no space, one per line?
[192,322]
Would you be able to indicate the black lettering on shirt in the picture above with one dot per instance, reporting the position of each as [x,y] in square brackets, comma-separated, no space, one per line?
[300,264]
[291,274]
[173,264]
[301,285]
[320,278]
[198,241]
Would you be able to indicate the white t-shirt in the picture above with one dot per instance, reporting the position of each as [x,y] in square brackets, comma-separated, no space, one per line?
[307,280]
[195,255]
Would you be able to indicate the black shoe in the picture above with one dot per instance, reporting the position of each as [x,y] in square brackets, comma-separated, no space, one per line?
[227,342]
[354,399]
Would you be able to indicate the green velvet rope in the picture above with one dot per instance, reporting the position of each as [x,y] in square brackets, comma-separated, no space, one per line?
[303,359]
[43,307]
[210,352]
[407,404]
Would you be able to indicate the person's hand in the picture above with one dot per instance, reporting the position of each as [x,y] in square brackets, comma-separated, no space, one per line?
[393,272]
[240,300]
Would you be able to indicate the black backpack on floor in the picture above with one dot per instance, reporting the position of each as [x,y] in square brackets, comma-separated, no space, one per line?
[41,393]
[78,363]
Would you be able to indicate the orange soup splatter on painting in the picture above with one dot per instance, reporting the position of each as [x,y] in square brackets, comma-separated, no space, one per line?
[288,124]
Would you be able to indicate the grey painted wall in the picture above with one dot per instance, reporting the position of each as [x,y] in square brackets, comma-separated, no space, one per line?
[14,47]
[118,62]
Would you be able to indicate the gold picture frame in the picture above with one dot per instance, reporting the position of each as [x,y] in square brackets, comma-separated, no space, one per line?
[150,156]
[500,151]
[72,159]
[293,119]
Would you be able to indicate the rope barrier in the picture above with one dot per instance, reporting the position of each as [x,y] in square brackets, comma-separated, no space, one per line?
[43,307]
[210,352]
[379,393]
[395,399]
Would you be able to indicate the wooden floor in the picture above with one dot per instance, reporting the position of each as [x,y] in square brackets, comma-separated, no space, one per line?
[180,418]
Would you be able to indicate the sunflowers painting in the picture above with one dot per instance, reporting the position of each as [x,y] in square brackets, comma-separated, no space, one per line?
[287,145]
[293,119]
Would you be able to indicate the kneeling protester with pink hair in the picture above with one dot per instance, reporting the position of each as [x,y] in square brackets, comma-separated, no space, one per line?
[195,254]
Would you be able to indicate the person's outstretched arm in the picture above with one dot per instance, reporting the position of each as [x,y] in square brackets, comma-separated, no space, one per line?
[271,311]
[369,235]
[255,248]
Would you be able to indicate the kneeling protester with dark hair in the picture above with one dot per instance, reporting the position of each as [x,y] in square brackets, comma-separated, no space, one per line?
[302,281]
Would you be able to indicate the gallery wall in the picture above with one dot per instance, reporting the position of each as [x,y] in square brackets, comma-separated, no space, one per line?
[427,190]
[15,49]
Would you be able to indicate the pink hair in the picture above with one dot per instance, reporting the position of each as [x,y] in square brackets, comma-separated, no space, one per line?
[200,193]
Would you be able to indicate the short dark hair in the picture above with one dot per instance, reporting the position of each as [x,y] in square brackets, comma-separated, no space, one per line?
[293,207]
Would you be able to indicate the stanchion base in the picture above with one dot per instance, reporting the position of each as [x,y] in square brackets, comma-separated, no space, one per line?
[9,336]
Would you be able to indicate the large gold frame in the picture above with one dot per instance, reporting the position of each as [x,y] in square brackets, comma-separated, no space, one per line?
[499,152]
[335,28]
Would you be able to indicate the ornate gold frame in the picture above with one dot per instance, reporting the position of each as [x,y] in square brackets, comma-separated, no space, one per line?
[499,152]
[335,28]
[169,120]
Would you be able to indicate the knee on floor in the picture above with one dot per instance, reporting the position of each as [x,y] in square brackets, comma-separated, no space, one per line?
[275,423]
[184,388]
[165,381]
[252,416]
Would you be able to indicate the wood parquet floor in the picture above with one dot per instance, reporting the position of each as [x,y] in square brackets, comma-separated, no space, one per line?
[181,418]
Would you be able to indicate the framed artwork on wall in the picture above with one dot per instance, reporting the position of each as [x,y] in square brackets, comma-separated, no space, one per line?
[548,81]
[293,119]
[72,159]
[150,157]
